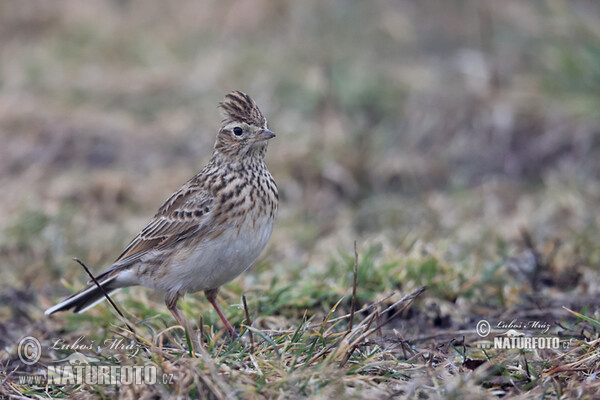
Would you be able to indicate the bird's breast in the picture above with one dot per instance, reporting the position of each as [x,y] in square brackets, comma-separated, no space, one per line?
[240,229]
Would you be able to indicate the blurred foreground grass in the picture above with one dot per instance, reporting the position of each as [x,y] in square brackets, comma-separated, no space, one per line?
[457,142]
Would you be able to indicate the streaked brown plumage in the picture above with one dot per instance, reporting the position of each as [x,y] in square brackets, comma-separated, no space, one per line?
[210,230]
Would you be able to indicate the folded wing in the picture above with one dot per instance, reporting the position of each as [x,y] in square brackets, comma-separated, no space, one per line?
[185,213]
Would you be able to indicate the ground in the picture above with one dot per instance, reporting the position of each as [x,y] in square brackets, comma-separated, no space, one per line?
[457,143]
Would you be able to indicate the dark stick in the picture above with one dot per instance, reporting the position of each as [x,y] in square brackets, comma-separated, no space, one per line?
[106,295]
[353,306]
[249,323]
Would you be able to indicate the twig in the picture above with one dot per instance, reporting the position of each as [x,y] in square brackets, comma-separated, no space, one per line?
[107,297]
[353,306]
[403,303]
[249,323]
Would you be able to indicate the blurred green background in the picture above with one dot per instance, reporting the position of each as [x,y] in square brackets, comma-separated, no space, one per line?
[434,133]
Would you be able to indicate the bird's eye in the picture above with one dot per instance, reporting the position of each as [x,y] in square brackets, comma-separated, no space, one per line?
[237,131]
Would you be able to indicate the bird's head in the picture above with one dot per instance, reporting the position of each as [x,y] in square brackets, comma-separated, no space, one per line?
[244,130]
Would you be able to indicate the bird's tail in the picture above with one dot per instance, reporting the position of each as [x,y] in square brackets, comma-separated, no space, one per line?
[88,297]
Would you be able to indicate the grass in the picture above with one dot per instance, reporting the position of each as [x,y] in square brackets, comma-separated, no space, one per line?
[456,143]
[288,350]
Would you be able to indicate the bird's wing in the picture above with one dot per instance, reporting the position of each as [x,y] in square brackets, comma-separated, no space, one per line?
[186,212]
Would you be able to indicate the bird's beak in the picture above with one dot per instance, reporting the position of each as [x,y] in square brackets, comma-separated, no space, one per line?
[264,135]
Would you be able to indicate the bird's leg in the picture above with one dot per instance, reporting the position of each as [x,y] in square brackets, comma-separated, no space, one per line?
[211,295]
[171,302]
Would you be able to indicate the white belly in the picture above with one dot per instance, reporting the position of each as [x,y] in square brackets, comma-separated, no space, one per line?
[213,262]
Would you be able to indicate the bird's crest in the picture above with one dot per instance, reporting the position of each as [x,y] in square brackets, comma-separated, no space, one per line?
[239,106]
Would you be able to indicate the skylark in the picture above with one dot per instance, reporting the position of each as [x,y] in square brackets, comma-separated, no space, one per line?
[209,231]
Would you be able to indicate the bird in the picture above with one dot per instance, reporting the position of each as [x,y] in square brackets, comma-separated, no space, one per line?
[210,230]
